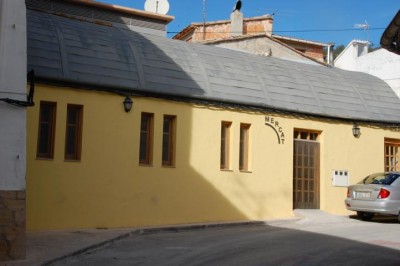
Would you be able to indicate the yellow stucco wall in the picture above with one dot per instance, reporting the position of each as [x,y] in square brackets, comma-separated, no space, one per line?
[108,188]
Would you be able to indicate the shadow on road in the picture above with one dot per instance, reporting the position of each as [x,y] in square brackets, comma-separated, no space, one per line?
[250,245]
[379,219]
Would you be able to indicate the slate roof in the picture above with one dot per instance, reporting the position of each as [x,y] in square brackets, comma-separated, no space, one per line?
[89,54]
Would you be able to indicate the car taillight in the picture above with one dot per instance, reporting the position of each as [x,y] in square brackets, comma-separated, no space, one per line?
[348,192]
[383,194]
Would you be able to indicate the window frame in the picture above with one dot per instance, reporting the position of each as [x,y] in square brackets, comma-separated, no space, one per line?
[50,132]
[149,135]
[306,134]
[76,156]
[171,135]
[393,143]
[225,145]
[244,147]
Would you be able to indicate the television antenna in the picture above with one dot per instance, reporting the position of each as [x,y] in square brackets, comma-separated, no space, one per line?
[204,11]
[265,11]
[364,26]
[157,6]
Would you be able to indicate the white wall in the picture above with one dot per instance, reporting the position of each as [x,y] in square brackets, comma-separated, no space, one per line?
[13,61]
[381,63]
[347,59]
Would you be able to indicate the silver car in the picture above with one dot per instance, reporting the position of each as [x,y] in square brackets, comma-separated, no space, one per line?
[376,194]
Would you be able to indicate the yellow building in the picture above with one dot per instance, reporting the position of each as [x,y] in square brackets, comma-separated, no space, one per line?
[212,135]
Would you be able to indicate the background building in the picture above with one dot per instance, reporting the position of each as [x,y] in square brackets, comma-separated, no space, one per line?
[253,35]
[380,63]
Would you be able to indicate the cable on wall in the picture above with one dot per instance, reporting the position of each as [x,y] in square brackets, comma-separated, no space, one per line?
[29,98]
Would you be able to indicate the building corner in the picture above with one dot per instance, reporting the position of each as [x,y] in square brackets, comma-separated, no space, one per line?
[12,225]
[13,85]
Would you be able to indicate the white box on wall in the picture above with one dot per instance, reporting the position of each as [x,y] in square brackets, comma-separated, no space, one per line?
[340,178]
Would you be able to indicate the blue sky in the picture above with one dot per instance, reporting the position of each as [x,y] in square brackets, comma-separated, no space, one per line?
[317,20]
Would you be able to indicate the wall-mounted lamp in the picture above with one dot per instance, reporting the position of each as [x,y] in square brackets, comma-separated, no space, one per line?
[128,104]
[356,130]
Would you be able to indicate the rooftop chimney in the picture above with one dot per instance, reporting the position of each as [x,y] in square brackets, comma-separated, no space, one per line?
[329,57]
[236,23]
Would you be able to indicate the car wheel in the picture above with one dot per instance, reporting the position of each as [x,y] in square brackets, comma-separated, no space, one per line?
[398,217]
[365,216]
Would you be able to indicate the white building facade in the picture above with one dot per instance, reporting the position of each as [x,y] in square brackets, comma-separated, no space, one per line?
[13,77]
[380,63]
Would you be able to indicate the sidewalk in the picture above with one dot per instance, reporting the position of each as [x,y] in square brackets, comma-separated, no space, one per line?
[45,247]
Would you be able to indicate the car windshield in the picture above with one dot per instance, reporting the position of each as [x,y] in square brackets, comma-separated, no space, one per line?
[380,178]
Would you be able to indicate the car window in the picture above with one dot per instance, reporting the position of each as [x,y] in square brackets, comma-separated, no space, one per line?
[380,178]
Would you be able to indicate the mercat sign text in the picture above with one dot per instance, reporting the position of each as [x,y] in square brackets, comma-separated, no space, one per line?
[274,124]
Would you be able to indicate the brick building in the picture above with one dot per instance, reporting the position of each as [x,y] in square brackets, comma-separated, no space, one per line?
[239,28]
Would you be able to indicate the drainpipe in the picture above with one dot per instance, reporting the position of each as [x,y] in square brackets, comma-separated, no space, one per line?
[204,19]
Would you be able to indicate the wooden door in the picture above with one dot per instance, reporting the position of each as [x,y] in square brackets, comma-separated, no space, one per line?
[306,177]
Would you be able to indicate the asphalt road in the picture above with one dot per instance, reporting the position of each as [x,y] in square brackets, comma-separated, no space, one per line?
[315,240]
